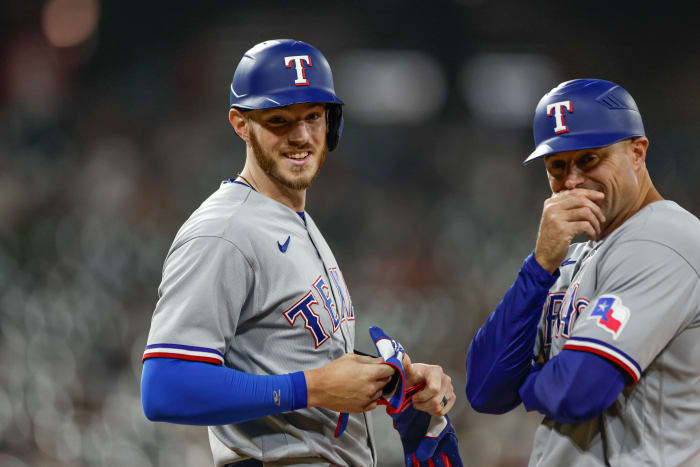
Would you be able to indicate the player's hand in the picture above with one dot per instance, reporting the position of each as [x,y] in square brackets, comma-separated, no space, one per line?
[438,387]
[352,383]
[565,215]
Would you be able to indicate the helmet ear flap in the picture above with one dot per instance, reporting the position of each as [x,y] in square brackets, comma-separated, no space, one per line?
[334,121]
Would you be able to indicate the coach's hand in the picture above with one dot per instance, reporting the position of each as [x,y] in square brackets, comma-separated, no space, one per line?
[565,215]
[352,383]
[438,396]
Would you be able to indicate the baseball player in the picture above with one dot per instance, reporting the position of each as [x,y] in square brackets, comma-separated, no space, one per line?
[253,333]
[615,321]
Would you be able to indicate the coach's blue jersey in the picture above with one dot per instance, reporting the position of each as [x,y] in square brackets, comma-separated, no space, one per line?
[634,299]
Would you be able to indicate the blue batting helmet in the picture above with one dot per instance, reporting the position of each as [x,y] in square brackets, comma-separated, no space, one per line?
[282,72]
[584,113]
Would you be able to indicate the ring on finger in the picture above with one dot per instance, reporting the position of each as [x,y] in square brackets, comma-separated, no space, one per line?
[444,401]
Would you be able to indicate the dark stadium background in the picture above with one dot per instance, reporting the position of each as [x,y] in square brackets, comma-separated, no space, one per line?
[113,128]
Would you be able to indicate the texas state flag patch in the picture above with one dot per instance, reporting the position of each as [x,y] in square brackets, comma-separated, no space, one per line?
[610,314]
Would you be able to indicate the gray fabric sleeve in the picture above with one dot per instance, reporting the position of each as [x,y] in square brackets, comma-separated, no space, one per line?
[205,283]
[655,295]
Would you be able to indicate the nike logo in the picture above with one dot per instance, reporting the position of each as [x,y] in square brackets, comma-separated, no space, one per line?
[568,261]
[283,246]
[277,395]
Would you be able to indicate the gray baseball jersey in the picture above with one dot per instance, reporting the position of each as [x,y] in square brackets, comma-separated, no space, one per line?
[634,299]
[247,283]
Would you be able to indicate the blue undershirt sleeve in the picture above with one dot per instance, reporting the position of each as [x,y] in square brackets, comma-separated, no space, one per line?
[500,354]
[572,387]
[197,393]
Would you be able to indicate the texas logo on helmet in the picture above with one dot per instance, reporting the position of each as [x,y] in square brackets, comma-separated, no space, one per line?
[558,108]
[610,314]
[298,61]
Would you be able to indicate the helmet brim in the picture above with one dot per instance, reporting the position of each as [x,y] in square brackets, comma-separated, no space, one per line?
[576,142]
[286,97]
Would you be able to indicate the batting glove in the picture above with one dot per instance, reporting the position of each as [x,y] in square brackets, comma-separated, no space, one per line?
[394,393]
[427,440]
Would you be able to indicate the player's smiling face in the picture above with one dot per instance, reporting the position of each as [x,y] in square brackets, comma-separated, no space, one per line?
[613,170]
[289,143]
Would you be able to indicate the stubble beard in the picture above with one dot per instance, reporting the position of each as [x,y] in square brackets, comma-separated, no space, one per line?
[270,166]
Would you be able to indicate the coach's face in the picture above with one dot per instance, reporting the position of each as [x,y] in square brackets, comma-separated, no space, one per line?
[614,170]
[289,143]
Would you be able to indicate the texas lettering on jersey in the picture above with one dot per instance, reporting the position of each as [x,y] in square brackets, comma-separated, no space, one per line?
[320,296]
[561,309]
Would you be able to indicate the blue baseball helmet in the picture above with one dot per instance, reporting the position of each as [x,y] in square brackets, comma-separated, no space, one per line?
[582,114]
[282,72]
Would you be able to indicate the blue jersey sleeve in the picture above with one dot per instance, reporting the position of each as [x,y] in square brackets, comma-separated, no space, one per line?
[572,387]
[197,393]
[500,354]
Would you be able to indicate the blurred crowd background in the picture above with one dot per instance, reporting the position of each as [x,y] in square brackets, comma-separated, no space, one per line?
[113,129]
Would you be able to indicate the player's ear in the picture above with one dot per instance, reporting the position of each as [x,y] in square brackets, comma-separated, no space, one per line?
[240,123]
[639,148]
